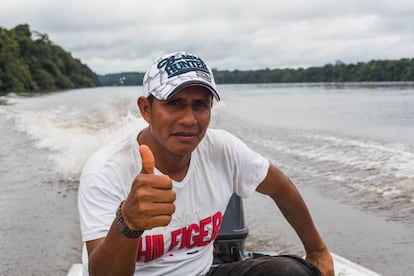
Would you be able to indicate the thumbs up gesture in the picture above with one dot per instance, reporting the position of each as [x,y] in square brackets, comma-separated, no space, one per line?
[150,202]
[148,162]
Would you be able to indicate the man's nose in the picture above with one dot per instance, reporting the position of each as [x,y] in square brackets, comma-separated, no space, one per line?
[188,117]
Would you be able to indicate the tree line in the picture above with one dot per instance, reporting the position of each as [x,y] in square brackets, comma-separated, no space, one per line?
[372,71]
[30,62]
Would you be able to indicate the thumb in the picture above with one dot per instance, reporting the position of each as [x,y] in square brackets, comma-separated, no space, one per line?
[148,161]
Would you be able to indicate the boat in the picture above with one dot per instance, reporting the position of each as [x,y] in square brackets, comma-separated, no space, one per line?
[229,245]
[343,267]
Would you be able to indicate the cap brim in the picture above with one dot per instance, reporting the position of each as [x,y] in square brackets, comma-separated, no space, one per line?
[194,83]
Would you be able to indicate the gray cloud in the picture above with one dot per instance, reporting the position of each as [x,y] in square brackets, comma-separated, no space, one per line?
[113,36]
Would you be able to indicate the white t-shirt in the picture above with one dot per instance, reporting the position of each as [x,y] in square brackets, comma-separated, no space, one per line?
[220,165]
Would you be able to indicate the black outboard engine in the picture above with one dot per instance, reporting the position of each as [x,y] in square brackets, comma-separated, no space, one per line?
[229,244]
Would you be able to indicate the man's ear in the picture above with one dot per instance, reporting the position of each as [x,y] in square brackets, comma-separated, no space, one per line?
[145,108]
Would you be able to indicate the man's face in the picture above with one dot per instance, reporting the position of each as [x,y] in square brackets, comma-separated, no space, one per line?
[179,123]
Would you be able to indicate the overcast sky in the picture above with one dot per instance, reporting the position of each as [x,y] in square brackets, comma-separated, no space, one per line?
[127,35]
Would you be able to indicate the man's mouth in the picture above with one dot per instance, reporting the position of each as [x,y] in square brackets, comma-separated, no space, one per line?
[185,135]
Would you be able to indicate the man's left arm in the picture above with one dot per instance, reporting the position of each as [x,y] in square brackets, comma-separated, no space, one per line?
[285,194]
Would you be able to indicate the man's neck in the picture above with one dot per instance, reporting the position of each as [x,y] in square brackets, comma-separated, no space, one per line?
[173,165]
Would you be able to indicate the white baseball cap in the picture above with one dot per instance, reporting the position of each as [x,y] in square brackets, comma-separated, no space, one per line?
[173,72]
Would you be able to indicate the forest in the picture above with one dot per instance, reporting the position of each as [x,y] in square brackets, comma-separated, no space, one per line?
[30,62]
[372,71]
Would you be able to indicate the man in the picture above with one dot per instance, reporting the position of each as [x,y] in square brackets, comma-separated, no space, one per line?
[152,204]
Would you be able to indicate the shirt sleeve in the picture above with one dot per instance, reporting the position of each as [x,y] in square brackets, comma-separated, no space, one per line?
[248,167]
[97,202]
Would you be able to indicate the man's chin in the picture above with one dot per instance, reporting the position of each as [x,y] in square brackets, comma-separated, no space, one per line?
[184,149]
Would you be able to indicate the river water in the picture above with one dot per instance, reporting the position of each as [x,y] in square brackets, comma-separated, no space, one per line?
[348,147]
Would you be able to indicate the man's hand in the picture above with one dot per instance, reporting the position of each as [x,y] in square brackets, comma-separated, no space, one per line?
[151,200]
[322,260]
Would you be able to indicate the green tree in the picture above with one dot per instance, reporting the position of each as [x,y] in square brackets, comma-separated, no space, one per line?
[28,64]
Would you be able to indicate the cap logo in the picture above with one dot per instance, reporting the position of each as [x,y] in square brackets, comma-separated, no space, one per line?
[174,66]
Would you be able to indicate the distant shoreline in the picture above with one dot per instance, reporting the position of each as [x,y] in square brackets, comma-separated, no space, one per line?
[360,84]
[372,71]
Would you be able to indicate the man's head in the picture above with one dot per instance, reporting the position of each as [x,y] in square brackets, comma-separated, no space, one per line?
[178,94]
[173,72]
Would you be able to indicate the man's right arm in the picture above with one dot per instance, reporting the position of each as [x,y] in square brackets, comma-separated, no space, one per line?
[113,255]
[149,204]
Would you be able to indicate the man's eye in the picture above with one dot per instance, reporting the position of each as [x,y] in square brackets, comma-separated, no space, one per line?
[202,104]
[173,103]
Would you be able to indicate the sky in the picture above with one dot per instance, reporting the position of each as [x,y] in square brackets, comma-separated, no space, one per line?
[112,36]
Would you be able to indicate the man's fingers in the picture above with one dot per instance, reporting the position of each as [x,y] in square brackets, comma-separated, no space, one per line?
[148,161]
[161,209]
[165,196]
[162,220]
